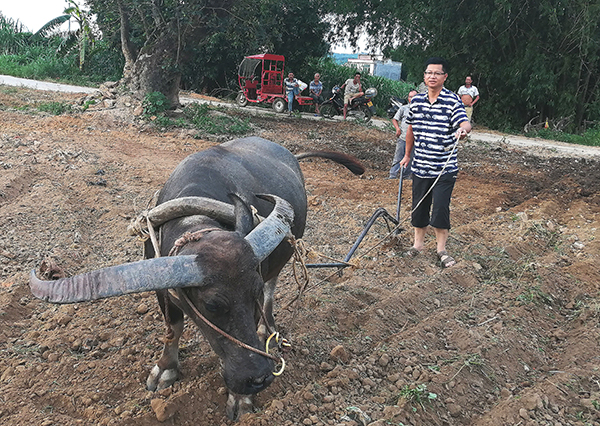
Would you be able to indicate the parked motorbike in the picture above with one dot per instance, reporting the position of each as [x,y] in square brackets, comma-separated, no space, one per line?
[394,105]
[361,108]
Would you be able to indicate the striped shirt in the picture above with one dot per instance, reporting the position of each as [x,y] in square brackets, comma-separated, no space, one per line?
[433,126]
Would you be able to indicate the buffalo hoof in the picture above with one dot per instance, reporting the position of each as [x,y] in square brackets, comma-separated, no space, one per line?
[161,379]
[238,405]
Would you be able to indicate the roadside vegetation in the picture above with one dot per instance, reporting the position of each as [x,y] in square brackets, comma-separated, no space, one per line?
[518,81]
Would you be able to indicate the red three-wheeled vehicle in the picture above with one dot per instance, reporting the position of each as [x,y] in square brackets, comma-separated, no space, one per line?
[261,79]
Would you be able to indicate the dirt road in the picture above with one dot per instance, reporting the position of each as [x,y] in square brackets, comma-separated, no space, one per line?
[508,336]
[544,146]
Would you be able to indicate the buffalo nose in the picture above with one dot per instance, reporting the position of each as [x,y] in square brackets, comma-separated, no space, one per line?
[259,383]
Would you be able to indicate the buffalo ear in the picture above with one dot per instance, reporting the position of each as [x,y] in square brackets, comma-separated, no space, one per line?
[244,221]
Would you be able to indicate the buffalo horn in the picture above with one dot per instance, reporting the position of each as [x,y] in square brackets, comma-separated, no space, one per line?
[270,232]
[145,275]
[190,206]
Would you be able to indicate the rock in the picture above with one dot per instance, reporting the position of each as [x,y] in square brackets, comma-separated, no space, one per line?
[326,366]
[141,309]
[63,319]
[505,393]
[524,414]
[138,110]
[10,371]
[308,396]
[339,354]
[532,402]
[162,409]
[277,406]
[454,409]
[384,360]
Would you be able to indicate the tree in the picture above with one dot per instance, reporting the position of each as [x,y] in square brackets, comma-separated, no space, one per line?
[199,43]
[528,57]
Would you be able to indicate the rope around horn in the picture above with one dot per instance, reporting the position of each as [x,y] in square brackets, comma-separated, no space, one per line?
[177,246]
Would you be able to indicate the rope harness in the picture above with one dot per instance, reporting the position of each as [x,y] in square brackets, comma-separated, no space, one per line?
[184,299]
[300,272]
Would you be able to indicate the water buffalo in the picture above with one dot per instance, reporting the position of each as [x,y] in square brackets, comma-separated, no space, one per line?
[214,262]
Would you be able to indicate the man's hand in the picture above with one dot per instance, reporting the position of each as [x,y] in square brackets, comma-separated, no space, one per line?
[460,133]
[404,162]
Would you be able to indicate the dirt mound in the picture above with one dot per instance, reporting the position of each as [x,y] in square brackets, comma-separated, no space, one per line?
[508,336]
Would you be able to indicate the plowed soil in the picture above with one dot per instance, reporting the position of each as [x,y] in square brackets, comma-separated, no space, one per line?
[508,336]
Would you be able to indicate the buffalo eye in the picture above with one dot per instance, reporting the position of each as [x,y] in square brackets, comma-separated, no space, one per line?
[215,307]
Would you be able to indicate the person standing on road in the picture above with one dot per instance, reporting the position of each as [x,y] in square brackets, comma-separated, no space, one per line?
[399,122]
[436,120]
[353,90]
[469,96]
[292,88]
[315,89]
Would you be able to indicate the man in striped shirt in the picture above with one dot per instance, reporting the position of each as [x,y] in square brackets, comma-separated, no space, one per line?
[436,121]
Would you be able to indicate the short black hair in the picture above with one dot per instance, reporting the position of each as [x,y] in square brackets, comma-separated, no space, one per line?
[356,73]
[436,60]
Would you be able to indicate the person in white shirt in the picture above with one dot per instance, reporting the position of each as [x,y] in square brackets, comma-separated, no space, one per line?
[469,95]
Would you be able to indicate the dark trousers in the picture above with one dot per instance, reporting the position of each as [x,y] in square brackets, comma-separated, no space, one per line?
[434,210]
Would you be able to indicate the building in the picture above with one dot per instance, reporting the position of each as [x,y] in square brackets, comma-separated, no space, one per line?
[376,65]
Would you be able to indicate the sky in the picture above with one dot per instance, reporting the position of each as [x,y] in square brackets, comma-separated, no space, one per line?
[33,14]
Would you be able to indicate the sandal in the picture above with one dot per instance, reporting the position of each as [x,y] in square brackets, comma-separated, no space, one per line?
[412,252]
[445,259]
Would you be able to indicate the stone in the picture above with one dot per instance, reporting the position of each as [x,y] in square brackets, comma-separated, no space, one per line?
[454,409]
[384,360]
[163,410]
[339,354]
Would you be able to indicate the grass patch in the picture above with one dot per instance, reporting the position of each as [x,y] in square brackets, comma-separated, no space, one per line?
[417,395]
[590,137]
[214,122]
[55,108]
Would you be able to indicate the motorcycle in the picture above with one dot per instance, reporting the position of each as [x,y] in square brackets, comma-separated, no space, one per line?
[361,108]
[394,105]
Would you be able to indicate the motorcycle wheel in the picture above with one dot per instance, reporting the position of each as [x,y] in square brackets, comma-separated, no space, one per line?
[327,110]
[241,100]
[363,113]
[279,105]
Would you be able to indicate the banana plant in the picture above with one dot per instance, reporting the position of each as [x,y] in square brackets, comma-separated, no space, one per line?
[82,38]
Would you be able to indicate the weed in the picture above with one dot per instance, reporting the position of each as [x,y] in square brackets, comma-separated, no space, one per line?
[535,295]
[55,108]
[213,121]
[154,104]
[550,238]
[418,394]
[88,103]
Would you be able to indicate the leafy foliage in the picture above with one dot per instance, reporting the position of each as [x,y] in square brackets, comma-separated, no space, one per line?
[154,103]
[12,36]
[526,57]
[55,108]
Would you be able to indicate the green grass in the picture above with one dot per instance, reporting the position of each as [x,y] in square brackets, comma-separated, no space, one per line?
[418,394]
[590,137]
[55,108]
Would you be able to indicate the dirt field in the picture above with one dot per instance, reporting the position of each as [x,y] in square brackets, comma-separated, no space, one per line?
[508,336]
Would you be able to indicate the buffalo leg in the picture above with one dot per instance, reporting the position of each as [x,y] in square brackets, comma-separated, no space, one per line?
[238,405]
[269,292]
[166,370]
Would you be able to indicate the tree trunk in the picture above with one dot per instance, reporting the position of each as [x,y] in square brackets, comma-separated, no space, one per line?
[126,47]
[156,70]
